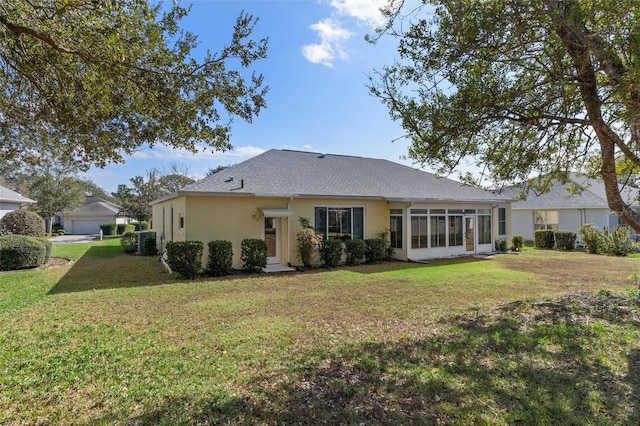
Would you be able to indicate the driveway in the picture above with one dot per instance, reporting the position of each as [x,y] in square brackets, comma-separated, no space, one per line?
[73,239]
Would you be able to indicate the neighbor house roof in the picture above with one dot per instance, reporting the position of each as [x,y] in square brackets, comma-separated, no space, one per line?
[9,196]
[560,196]
[309,174]
[95,206]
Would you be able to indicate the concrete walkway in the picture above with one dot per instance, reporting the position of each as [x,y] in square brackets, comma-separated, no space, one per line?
[61,239]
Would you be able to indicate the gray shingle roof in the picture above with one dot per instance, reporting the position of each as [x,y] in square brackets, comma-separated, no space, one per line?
[296,173]
[9,196]
[558,197]
[95,206]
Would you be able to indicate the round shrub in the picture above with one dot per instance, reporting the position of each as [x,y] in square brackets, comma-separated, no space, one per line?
[22,222]
[123,228]
[109,228]
[591,238]
[354,250]
[185,257]
[150,246]
[565,240]
[544,239]
[331,252]
[21,252]
[129,242]
[220,258]
[375,250]
[253,254]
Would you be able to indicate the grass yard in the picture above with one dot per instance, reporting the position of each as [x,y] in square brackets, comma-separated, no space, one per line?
[515,339]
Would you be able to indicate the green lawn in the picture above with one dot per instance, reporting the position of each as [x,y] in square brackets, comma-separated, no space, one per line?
[115,339]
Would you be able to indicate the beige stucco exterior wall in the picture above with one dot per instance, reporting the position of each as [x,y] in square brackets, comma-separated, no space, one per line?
[209,218]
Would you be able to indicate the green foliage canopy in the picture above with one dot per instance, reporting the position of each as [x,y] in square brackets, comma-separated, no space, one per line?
[94,80]
[518,87]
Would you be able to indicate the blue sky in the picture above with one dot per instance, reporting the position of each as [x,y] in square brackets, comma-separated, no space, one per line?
[317,69]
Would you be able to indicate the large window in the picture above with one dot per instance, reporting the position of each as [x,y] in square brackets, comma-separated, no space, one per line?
[545,219]
[502,221]
[395,228]
[339,222]
[484,226]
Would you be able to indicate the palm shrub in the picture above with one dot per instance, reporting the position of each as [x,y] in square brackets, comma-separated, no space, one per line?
[591,237]
[129,242]
[354,250]
[220,258]
[618,242]
[21,252]
[544,238]
[517,241]
[501,245]
[185,257]
[331,252]
[22,222]
[565,240]
[253,254]
[375,250]
[307,241]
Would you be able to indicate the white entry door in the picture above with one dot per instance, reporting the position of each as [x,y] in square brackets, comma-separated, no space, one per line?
[272,237]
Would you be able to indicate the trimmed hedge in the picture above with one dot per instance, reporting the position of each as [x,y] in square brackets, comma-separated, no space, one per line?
[375,250]
[22,222]
[149,246]
[109,228]
[129,241]
[331,252]
[220,258]
[544,239]
[140,226]
[124,228]
[21,252]
[253,254]
[185,257]
[355,250]
[566,240]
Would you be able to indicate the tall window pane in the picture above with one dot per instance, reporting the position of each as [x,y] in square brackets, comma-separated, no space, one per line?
[484,230]
[358,223]
[502,221]
[455,231]
[395,231]
[438,231]
[320,221]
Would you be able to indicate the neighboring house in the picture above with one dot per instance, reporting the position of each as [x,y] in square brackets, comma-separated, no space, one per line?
[344,197]
[88,218]
[562,209]
[11,200]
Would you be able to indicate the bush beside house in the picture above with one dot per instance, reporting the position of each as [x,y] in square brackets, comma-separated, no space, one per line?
[22,222]
[185,257]
[22,252]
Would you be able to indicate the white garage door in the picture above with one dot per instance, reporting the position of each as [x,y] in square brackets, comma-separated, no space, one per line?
[85,227]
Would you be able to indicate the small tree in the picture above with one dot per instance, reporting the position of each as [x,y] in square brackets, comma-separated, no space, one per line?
[308,240]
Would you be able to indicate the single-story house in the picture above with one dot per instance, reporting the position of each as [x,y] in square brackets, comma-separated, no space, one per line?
[94,212]
[561,208]
[343,196]
[11,200]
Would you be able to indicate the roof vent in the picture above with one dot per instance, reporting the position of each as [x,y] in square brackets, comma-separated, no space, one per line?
[322,155]
[229,180]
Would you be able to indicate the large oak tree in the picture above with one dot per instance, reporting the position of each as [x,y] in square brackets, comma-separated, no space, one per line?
[518,87]
[93,80]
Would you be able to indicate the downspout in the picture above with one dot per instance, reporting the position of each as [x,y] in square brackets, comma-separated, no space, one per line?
[289,233]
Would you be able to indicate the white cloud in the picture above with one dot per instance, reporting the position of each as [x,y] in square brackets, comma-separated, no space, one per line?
[204,153]
[332,35]
[365,11]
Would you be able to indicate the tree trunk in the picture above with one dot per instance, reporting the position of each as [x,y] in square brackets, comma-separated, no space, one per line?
[570,27]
